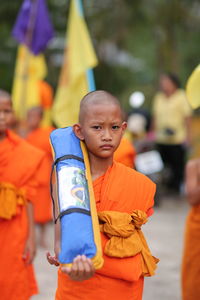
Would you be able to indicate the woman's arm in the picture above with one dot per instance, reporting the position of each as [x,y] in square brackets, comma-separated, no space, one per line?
[188,130]
[192,181]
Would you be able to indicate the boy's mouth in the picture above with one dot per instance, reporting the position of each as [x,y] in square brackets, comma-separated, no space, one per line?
[2,124]
[106,147]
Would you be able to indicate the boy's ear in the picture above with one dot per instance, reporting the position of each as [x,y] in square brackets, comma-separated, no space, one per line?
[124,126]
[78,132]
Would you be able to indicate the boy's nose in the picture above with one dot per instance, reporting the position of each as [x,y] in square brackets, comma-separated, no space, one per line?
[106,135]
[2,115]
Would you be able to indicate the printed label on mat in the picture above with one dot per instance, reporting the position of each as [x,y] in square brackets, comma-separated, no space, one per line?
[72,188]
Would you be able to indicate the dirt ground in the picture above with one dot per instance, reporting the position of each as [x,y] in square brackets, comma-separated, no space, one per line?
[164,233]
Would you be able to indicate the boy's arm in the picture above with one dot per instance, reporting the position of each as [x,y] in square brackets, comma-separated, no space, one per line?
[53,260]
[82,267]
[57,238]
[30,247]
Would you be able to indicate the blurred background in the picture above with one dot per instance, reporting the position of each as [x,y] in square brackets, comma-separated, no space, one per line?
[135,42]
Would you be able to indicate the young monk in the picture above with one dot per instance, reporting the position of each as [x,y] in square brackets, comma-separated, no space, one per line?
[190,263]
[39,137]
[117,188]
[19,175]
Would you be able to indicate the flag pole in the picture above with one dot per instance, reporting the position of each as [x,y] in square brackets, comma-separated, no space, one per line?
[28,41]
[89,72]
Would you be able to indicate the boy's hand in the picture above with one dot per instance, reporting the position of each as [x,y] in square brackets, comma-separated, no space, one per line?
[81,269]
[53,260]
[29,251]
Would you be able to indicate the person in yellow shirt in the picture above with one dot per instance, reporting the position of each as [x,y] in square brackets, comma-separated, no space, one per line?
[171,114]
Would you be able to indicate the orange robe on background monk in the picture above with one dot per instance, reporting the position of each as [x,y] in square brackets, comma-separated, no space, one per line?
[191,257]
[120,189]
[125,153]
[42,206]
[20,165]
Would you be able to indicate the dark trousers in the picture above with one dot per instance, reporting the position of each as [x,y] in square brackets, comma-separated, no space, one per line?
[173,157]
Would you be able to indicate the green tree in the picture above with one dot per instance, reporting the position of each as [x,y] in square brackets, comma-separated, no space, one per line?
[134,40]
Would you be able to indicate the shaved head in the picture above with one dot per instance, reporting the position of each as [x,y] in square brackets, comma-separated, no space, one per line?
[34,117]
[36,109]
[5,95]
[97,98]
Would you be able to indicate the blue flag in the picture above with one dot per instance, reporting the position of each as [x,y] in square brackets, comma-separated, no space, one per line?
[33,27]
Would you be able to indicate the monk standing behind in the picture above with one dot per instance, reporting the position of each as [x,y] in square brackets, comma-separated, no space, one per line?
[191,256]
[125,153]
[118,189]
[20,165]
[39,137]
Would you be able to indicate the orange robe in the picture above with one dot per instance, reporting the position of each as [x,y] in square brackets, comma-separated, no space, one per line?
[119,189]
[42,206]
[46,94]
[125,153]
[20,167]
[191,257]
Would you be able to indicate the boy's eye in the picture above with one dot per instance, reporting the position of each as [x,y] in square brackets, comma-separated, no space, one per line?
[115,127]
[7,111]
[97,127]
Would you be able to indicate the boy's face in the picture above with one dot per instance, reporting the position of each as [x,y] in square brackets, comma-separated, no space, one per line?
[34,118]
[102,129]
[6,114]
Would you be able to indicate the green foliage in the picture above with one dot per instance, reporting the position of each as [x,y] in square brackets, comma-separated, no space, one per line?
[156,36]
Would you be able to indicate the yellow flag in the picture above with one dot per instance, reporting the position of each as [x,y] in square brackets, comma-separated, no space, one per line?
[193,88]
[29,69]
[79,56]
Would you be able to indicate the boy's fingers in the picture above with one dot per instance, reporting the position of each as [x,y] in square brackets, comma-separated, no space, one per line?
[25,255]
[31,257]
[56,263]
[87,267]
[85,264]
[78,269]
[49,257]
[77,258]
[66,270]
[81,268]
[90,264]
[91,269]
[83,258]
[74,268]
[52,260]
